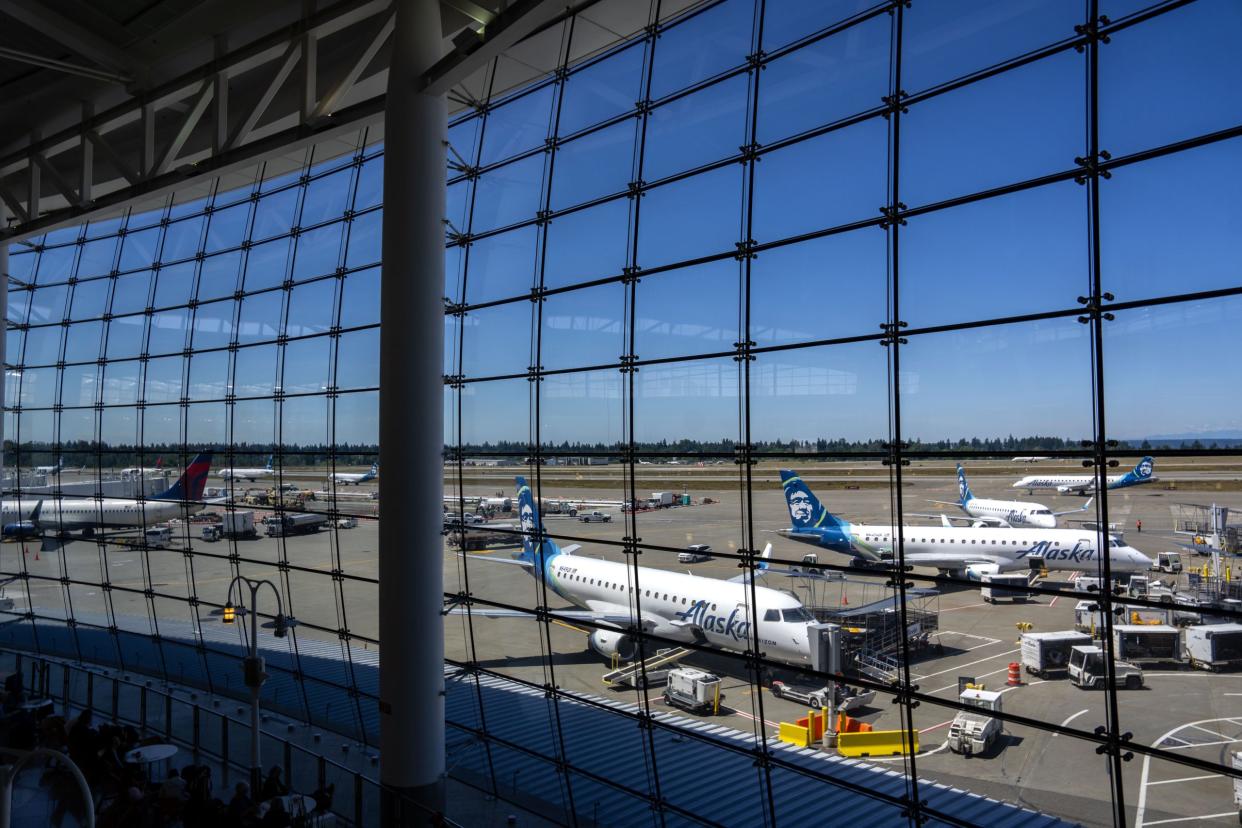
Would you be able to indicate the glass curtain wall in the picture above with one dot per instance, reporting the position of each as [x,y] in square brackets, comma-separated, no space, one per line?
[784,267]
[237,321]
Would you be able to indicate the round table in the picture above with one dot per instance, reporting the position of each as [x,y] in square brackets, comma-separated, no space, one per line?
[150,755]
[294,804]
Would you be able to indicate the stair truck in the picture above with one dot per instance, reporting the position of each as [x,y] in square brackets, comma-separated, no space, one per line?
[1147,644]
[1088,671]
[974,732]
[1214,646]
[1046,653]
[693,690]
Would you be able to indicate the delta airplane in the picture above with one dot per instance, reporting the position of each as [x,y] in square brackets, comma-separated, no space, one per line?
[350,477]
[970,552]
[248,474]
[687,608]
[1009,513]
[111,512]
[1084,483]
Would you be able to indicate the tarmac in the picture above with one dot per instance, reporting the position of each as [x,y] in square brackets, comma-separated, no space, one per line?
[1190,713]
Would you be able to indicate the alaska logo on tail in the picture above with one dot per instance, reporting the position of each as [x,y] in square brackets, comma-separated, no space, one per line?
[532,528]
[963,488]
[1141,473]
[805,510]
[190,484]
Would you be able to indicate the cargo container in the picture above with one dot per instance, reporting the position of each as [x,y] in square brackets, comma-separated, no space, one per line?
[1009,587]
[238,525]
[660,500]
[1214,646]
[1147,644]
[1045,653]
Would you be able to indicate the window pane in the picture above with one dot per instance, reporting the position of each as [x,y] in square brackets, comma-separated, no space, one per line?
[503,265]
[592,166]
[586,244]
[603,90]
[704,45]
[707,126]
[712,199]
[508,195]
[517,126]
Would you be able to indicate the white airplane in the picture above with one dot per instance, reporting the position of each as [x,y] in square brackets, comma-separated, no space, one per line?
[351,477]
[1009,513]
[20,516]
[248,474]
[1030,459]
[687,608]
[57,469]
[969,552]
[1085,483]
[135,472]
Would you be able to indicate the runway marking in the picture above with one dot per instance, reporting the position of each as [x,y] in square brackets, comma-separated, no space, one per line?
[943,745]
[1190,819]
[966,635]
[1213,732]
[965,606]
[1071,718]
[968,664]
[1204,744]
[935,727]
[1185,779]
[752,718]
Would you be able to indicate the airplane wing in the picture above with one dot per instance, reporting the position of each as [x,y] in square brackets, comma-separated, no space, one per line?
[951,560]
[947,520]
[1083,508]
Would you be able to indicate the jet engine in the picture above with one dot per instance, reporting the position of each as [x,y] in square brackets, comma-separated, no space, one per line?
[975,572]
[1078,490]
[608,643]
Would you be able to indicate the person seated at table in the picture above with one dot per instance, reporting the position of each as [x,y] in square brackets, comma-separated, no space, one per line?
[272,786]
[323,798]
[241,803]
[200,785]
[174,787]
[14,692]
[276,816]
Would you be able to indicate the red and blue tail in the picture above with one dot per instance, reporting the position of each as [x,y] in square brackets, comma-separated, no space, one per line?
[190,484]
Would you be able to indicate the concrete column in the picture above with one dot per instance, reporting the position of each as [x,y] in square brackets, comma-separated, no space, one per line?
[4,339]
[411,568]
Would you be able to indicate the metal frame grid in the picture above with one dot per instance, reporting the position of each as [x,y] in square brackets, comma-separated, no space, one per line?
[1088,37]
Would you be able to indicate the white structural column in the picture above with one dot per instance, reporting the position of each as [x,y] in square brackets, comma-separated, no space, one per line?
[411,576]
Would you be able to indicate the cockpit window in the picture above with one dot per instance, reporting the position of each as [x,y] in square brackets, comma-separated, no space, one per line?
[772,615]
[1042,512]
[797,615]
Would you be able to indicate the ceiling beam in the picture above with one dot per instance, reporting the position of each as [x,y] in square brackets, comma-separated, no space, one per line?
[74,37]
[515,22]
[63,66]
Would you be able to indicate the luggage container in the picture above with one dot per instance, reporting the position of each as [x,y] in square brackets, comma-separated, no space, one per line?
[1147,644]
[1214,646]
[1005,587]
[1045,653]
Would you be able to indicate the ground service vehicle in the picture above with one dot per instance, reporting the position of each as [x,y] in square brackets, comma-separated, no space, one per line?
[595,517]
[973,732]
[661,500]
[299,523]
[848,698]
[347,523]
[1147,643]
[1170,562]
[693,690]
[1213,646]
[238,525]
[1088,671]
[1009,586]
[695,553]
[1044,653]
[158,537]
[211,533]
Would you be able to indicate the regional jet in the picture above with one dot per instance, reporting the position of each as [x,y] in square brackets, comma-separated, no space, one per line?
[1085,483]
[248,474]
[350,477]
[969,552]
[687,608]
[90,513]
[1010,513]
[56,469]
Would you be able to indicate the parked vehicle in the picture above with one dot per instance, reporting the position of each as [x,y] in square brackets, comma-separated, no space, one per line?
[695,553]
[847,699]
[1170,562]
[297,523]
[348,522]
[595,517]
[1147,644]
[693,690]
[1045,653]
[661,500]
[1009,586]
[211,532]
[973,732]
[238,525]
[1214,646]
[158,537]
[1088,671]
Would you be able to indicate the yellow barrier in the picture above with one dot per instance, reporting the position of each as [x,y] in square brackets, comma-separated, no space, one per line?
[877,743]
[795,735]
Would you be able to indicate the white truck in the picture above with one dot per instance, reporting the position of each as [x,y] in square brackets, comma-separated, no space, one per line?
[595,517]
[695,553]
[347,522]
[1170,562]
[157,537]
[974,732]
[1045,653]
[1214,646]
[1088,671]
[1005,587]
[848,698]
[661,500]
[693,690]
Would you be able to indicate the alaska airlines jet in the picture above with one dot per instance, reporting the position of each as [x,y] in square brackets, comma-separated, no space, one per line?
[89,513]
[962,551]
[1084,483]
[57,469]
[686,608]
[351,478]
[248,474]
[1009,513]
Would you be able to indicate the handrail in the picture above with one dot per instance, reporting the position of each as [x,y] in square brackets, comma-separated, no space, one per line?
[9,772]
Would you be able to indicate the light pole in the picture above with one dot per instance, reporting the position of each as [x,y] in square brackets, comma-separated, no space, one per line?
[252,665]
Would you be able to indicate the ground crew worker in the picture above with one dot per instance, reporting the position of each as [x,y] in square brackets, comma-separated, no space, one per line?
[1139,525]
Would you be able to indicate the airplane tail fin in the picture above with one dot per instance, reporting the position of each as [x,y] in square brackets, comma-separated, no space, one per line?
[963,488]
[268,467]
[1144,468]
[190,484]
[805,510]
[375,468]
[533,540]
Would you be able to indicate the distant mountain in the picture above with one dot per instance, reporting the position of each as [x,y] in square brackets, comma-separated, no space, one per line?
[1225,438]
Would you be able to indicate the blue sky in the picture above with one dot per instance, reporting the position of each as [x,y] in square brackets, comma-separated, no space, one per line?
[1168,225]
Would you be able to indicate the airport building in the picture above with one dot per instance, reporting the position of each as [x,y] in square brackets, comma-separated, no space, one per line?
[621,412]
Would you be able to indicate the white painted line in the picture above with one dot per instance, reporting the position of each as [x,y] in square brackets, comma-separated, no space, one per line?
[964,606]
[1186,779]
[1204,744]
[966,635]
[935,727]
[1192,819]
[943,745]
[1070,719]
[1211,732]
[970,663]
